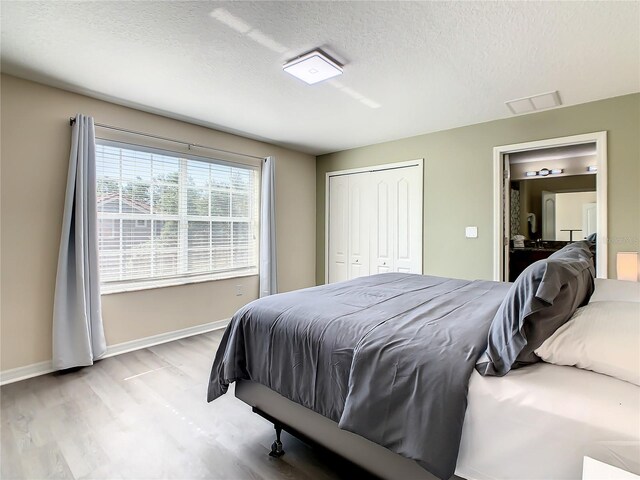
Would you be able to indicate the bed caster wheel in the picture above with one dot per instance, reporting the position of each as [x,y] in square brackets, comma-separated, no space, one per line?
[276,449]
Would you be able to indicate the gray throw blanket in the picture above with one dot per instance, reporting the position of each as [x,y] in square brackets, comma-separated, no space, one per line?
[387,357]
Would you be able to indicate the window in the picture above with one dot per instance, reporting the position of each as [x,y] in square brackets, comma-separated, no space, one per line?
[166,218]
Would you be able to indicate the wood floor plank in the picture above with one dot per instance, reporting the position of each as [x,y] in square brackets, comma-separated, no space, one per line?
[31,430]
[144,415]
[83,453]
[91,408]
[10,466]
[45,462]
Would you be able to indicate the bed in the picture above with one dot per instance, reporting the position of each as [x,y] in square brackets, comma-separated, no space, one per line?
[362,366]
[520,426]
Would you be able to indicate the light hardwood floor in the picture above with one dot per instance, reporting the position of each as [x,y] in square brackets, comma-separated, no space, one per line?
[144,415]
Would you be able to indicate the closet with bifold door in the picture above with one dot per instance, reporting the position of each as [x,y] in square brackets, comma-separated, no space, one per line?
[374,221]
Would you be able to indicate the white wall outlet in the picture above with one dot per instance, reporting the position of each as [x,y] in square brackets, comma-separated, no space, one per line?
[471,232]
[239,290]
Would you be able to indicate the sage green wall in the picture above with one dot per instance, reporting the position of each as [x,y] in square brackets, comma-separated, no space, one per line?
[458,180]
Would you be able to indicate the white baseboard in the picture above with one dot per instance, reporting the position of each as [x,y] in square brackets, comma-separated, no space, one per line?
[28,371]
[146,342]
[22,373]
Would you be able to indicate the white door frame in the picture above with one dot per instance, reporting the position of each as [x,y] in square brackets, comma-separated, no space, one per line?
[600,139]
[374,168]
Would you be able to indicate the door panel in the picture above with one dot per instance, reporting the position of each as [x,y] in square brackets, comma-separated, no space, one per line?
[589,219]
[548,216]
[403,209]
[408,211]
[359,207]
[338,228]
[382,222]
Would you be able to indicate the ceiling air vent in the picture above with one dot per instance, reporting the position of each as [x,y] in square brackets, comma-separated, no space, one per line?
[530,104]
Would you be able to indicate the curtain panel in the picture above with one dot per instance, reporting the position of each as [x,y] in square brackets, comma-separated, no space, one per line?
[78,332]
[268,264]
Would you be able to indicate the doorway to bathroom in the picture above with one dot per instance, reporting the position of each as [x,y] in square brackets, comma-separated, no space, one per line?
[546,194]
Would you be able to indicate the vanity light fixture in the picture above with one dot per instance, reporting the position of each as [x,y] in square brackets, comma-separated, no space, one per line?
[313,67]
[544,172]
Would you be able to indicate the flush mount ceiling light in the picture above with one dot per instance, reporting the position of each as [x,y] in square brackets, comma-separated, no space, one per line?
[534,102]
[313,67]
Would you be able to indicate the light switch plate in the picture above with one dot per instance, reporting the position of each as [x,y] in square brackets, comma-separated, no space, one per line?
[471,232]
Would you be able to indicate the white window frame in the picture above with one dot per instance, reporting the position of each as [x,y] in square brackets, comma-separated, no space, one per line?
[183,278]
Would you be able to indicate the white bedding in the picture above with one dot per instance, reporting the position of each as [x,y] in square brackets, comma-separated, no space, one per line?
[615,290]
[540,421]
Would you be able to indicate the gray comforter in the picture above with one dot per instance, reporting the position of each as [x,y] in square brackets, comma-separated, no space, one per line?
[388,356]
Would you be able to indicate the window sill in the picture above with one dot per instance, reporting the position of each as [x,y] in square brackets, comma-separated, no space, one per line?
[175,282]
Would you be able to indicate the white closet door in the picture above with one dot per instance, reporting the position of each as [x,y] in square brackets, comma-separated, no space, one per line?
[383,221]
[375,223]
[338,228]
[359,213]
[407,206]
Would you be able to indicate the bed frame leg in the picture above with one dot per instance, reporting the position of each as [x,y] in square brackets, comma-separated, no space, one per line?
[276,447]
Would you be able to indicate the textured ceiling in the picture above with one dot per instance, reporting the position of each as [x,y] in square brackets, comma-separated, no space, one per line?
[410,67]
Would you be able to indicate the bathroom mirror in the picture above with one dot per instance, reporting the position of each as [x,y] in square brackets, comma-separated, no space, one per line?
[554,209]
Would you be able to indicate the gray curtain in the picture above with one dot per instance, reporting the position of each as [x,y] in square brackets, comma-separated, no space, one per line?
[268,278]
[78,334]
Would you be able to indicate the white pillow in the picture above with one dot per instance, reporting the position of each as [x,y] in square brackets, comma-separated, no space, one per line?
[603,337]
[618,290]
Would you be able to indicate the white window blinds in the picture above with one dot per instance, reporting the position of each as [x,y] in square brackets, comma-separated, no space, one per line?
[166,219]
